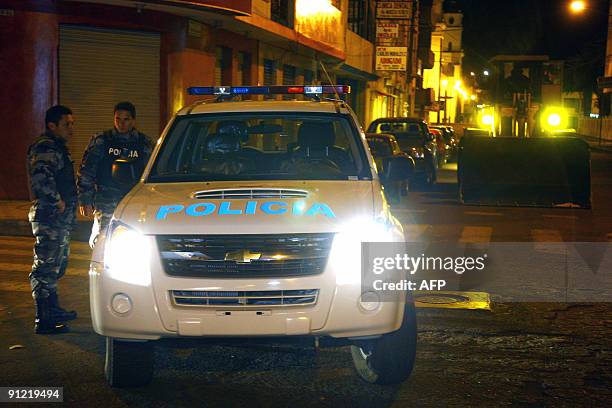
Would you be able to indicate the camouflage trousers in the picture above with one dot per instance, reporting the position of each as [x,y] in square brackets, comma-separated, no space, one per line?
[51,251]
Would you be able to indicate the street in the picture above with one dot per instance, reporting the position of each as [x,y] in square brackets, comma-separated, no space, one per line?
[517,354]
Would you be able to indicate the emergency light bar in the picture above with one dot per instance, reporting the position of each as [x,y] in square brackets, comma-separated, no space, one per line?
[269,90]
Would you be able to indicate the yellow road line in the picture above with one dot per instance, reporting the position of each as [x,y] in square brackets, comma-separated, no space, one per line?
[472,234]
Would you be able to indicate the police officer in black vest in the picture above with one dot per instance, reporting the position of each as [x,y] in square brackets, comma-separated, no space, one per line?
[52,215]
[99,192]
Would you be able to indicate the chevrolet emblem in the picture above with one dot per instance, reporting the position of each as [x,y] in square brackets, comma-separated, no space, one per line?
[242,256]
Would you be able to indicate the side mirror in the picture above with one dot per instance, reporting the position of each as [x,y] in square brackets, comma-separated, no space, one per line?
[125,172]
[399,168]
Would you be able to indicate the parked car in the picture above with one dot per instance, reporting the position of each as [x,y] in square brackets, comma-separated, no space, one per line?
[384,148]
[414,138]
[440,146]
[452,144]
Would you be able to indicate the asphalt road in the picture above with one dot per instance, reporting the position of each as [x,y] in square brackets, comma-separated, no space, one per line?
[517,354]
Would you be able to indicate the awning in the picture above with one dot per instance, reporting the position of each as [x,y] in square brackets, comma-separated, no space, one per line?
[357,73]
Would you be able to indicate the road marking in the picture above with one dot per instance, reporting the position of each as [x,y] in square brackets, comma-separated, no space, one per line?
[563,217]
[29,242]
[547,240]
[23,267]
[24,252]
[472,235]
[412,232]
[546,235]
[485,213]
[407,210]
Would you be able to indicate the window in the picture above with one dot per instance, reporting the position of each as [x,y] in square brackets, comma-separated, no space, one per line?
[360,19]
[308,77]
[244,69]
[289,72]
[269,75]
[281,11]
[223,66]
[450,46]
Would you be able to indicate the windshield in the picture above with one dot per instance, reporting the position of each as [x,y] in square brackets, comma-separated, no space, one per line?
[261,146]
[379,147]
[401,130]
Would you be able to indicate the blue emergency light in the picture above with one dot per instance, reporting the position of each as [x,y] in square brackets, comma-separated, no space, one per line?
[270,90]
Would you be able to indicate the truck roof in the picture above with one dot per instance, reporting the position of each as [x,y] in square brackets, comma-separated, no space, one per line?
[263,106]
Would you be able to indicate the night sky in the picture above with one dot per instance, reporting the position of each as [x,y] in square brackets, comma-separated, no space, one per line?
[494,27]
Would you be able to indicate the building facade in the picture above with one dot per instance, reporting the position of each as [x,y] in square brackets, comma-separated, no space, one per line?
[90,54]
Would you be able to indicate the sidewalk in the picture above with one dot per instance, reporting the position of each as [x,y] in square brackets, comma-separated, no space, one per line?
[14,221]
[605,146]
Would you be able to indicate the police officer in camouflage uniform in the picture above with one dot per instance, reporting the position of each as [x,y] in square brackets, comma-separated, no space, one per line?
[99,192]
[53,216]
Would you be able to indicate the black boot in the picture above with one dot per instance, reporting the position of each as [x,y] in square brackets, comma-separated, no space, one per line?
[44,323]
[58,313]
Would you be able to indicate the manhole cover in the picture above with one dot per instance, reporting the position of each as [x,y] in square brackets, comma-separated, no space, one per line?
[452,300]
[441,299]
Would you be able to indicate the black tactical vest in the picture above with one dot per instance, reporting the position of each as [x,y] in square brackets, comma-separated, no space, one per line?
[132,149]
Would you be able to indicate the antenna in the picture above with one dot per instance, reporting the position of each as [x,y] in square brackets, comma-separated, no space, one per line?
[329,80]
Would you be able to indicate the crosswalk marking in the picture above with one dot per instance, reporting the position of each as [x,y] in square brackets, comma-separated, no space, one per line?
[75,246]
[27,267]
[484,213]
[546,235]
[25,252]
[471,234]
[566,217]
[547,240]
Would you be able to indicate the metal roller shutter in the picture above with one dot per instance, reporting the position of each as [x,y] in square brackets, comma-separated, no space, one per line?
[97,69]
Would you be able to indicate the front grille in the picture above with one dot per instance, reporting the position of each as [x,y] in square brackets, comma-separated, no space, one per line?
[244,256]
[248,193]
[302,297]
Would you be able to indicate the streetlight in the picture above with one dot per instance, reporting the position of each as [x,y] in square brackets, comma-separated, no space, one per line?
[577,6]
[486,73]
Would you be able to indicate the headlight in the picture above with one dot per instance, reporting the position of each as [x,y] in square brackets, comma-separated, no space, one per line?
[346,249]
[418,152]
[126,255]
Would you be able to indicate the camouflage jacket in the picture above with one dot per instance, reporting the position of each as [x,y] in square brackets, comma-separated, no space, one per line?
[96,185]
[51,177]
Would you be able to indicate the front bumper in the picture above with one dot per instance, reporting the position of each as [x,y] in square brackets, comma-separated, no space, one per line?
[154,313]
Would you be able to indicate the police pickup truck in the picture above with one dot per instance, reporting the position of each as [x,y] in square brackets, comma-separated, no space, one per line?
[248,222]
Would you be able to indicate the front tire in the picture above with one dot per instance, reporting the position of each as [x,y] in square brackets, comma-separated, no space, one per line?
[389,359]
[128,363]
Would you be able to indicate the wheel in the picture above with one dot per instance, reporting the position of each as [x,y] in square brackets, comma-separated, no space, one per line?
[389,359]
[405,188]
[128,363]
[429,178]
[393,192]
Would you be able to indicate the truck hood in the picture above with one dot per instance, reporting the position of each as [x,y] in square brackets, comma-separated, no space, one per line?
[243,208]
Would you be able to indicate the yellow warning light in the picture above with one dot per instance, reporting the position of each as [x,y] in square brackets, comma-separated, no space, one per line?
[487,120]
[554,119]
